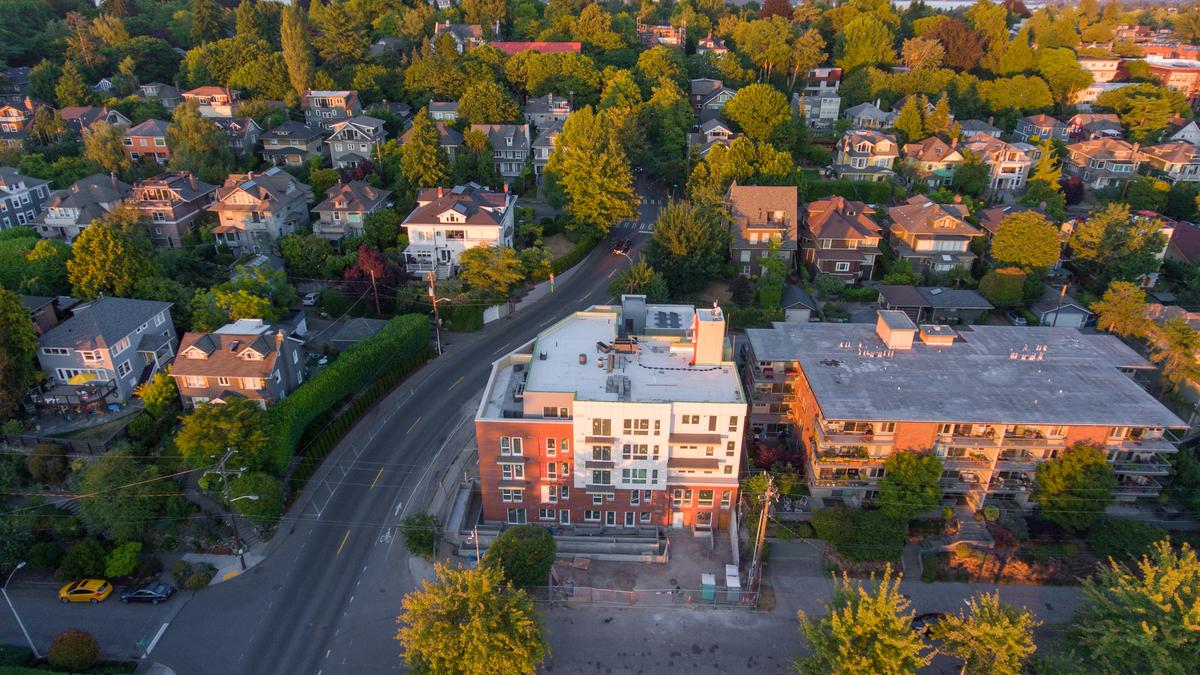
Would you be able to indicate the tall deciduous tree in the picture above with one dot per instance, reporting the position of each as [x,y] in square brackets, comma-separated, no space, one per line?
[1145,109]
[105,145]
[964,46]
[486,102]
[1122,310]
[866,631]
[865,42]
[1073,489]
[808,52]
[18,344]
[197,145]
[920,53]
[687,247]
[211,430]
[760,110]
[108,260]
[471,621]
[1111,245]
[989,637]
[1143,620]
[494,269]
[1176,345]
[594,174]
[910,122]
[297,52]
[524,554]
[423,160]
[131,497]
[1062,72]
[1026,239]
[71,89]
[909,486]
[640,279]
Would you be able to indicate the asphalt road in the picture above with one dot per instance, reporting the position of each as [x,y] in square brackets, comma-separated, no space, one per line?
[326,598]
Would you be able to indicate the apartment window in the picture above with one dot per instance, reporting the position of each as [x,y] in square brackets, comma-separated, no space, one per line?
[597,500]
[551,470]
[564,492]
[705,498]
[551,450]
[554,411]
[90,356]
[546,514]
[733,424]
[886,427]
[601,477]
[691,419]
[635,497]
[566,469]
[601,453]
[841,267]
[511,445]
[708,451]
[512,495]
[637,427]
[591,516]
[512,471]
[549,494]
[565,445]
[725,498]
[516,516]
[645,516]
[729,446]
[728,469]
[564,517]
[123,369]
[681,497]
[647,495]
[633,476]
[634,451]
[601,427]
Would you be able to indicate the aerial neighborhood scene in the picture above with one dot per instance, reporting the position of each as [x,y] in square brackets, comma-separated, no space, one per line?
[570,336]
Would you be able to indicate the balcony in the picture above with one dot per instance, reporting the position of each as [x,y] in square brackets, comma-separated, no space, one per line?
[833,437]
[968,441]
[1142,487]
[963,483]
[1010,485]
[774,397]
[1147,467]
[967,461]
[1156,444]
[842,482]
[1033,442]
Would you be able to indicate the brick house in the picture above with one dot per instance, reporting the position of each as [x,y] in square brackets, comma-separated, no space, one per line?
[148,140]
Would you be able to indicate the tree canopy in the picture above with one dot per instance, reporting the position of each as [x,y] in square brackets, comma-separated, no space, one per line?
[910,486]
[1073,488]
[1028,240]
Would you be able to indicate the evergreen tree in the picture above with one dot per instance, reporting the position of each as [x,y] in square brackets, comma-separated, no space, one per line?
[206,22]
[423,160]
[594,173]
[71,89]
[938,121]
[910,123]
[297,53]
[197,145]
[341,38]
[18,346]
[250,21]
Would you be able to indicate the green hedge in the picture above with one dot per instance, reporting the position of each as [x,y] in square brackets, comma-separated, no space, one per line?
[578,252]
[871,192]
[861,536]
[404,339]
[864,294]
[323,441]
[752,317]
[1123,538]
[463,318]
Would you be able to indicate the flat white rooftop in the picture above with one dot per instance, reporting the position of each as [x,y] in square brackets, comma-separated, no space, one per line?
[990,374]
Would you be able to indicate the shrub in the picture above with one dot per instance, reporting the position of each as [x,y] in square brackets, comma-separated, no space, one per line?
[181,570]
[1003,287]
[88,558]
[991,513]
[73,650]
[123,559]
[421,532]
[45,555]
[1121,538]
[861,536]
[266,509]
[142,431]
[828,284]
[863,294]
[403,340]
[578,251]
[149,568]
[16,655]
[524,553]
[201,577]
[47,463]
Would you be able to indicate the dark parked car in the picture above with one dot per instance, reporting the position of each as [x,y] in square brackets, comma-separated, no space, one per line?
[153,592]
[622,246]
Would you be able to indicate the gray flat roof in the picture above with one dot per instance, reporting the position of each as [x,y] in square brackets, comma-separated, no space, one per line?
[991,374]
[896,319]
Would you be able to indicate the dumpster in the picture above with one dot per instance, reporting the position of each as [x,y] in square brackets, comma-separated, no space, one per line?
[708,586]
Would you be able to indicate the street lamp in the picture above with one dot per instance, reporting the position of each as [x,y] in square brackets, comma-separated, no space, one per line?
[237,539]
[4,589]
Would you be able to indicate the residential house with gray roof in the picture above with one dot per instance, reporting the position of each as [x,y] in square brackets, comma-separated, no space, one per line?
[81,119]
[865,155]
[172,202]
[543,145]
[934,304]
[247,359]
[110,346]
[324,108]
[464,35]
[15,120]
[256,209]
[973,127]
[148,140]
[292,144]
[21,197]
[1175,161]
[85,200]
[443,111]
[1041,126]
[510,147]
[14,84]
[346,207]
[164,94]
[243,133]
[868,116]
[542,111]
[355,141]
[1102,163]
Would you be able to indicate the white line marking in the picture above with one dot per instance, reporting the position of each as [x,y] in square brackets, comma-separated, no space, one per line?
[327,652]
[157,636]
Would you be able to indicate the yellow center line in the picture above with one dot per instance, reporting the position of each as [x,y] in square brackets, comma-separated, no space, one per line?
[376,478]
[455,382]
[339,552]
[501,349]
[414,425]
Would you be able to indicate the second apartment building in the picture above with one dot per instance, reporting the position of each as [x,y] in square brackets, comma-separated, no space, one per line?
[992,402]
[617,416]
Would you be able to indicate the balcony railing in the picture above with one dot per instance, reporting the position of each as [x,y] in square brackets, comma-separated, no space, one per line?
[853,437]
[971,441]
[1150,487]
[1011,485]
[1159,444]
[842,482]
[967,460]
[1033,442]
[1149,467]
[960,484]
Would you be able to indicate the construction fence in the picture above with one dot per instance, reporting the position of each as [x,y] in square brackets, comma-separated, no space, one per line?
[719,597]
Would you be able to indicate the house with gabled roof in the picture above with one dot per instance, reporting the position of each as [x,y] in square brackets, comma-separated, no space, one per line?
[544,144]
[820,110]
[840,238]
[21,197]
[81,119]
[932,236]
[711,45]
[256,209]
[247,359]
[1174,161]
[1180,129]
[447,222]
[762,217]
[541,111]
[212,101]
[292,144]
[449,138]
[510,147]
[1008,163]
[70,210]
[1041,126]
[868,115]
[709,134]
[974,127]
[107,348]
[323,107]
[464,35]
[148,140]
[443,111]
[1103,162]
[243,133]
[933,160]
[172,202]
[346,207]
[164,94]
[708,105]
[865,155]
[1086,126]
[355,141]
[15,120]
[700,89]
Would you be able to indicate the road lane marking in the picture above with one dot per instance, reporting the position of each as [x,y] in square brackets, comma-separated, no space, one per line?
[455,382]
[414,425]
[501,349]
[377,478]
[157,636]
[339,551]
[610,274]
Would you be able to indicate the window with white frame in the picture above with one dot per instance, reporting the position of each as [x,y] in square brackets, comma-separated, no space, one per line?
[635,497]
[223,381]
[549,494]
[56,351]
[512,495]
[591,516]
[124,369]
[512,471]
[633,476]
[601,477]
[597,500]
[691,419]
[635,451]
[645,516]
[601,453]
[551,447]
[637,427]
[841,267]
[195,381]
[551,470]
[564,492]
[546,514]
[725,497]
[516,516]
[565,445]
[121,346]
[705,498]
[92,356]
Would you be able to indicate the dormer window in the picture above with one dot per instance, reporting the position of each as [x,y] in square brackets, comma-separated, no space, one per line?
[251,355]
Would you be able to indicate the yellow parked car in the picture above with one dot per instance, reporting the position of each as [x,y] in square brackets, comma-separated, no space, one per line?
[85,590]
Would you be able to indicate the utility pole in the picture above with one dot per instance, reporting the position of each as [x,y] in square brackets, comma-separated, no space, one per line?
[760,536]
[224,472]
[1058,310]
[375,290]
[433,300]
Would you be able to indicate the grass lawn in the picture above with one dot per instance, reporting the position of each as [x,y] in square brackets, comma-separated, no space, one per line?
[717,291]
[558,245]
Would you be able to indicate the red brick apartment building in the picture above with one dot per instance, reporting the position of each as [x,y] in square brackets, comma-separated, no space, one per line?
[991,401]
[617,416]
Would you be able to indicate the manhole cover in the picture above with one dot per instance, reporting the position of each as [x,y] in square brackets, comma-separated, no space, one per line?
[672,582]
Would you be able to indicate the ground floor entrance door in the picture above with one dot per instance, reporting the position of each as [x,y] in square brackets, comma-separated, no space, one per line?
[629,518]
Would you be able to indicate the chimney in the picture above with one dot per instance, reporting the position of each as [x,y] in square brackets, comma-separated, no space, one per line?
[991,120]
[709,337]
[440,193]
[505,188]
[279,339]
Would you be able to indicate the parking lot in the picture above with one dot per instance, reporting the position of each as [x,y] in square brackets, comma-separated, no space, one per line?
[124,631]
